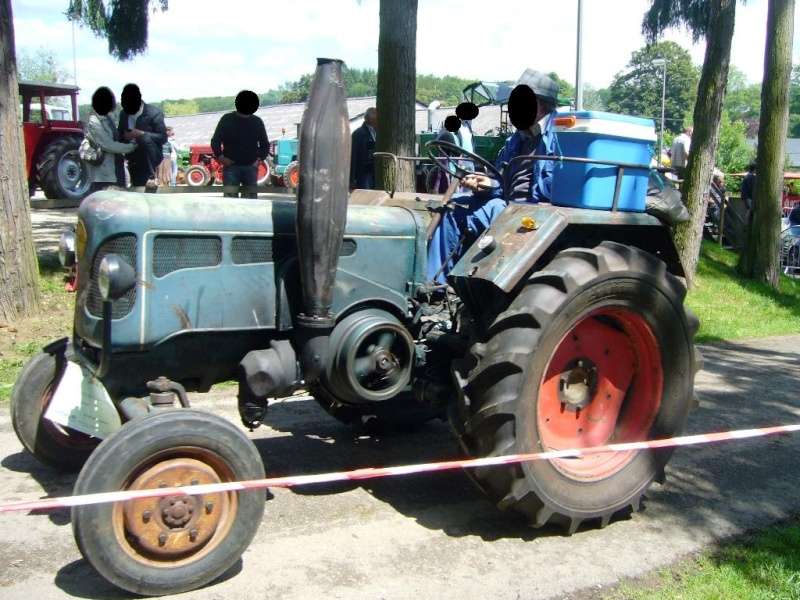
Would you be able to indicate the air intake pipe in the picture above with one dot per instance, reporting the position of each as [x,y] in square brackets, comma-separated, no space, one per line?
[324,156]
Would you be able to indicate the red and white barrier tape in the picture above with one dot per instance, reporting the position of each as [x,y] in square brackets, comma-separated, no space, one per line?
[370,473]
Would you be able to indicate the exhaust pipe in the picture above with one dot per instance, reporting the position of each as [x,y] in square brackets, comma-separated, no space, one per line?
[324,154]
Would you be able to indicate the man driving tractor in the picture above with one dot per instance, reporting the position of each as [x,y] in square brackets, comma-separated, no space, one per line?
[531,107]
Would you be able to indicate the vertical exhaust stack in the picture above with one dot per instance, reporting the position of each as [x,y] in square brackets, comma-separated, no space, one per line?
[324,154]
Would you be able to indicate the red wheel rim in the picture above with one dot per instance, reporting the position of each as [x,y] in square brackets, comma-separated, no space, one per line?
[602,385]
[294,178]
[196,176]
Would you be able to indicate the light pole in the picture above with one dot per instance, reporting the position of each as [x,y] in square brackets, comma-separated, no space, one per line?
[662,62]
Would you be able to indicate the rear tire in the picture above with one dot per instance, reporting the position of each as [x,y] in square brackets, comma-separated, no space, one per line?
[264,173]
[62,174]
[596,349]
[161,546]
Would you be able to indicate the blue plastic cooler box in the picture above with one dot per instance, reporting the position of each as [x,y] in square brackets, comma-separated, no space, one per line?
[606,137]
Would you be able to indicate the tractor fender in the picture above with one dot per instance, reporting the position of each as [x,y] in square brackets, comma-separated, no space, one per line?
[527,235]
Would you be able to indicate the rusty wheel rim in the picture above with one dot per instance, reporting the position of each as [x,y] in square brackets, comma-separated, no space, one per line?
[180,529]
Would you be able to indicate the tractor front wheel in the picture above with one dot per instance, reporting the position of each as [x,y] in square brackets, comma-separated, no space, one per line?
[291,175]
[197,176]
[169,545]
[596,349]
[55,445]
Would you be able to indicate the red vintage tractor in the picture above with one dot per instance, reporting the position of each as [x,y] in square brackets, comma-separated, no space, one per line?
[205,169]
[52,135]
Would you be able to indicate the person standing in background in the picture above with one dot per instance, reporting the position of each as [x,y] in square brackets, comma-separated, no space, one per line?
[362,157]
[240,143]
[681,146]
[748,187]
[173,156]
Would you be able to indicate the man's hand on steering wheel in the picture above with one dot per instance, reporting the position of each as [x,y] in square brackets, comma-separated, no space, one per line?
[470,179]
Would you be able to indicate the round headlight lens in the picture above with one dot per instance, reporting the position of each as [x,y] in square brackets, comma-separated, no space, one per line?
[115,277]
[105,277]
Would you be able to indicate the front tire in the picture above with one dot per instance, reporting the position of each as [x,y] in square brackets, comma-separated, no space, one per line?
[596,349]
[160,546]
[291,175]
[57,446]
[61,172]
[197,176]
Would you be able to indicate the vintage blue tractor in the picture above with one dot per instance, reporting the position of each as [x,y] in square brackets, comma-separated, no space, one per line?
[560,328]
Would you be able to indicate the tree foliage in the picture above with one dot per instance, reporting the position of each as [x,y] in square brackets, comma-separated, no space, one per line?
[794,103]
[299,90]
[40,65]
[566,91]
[637,90]
[123,23]
[180,107]
[743,100]
[734,152]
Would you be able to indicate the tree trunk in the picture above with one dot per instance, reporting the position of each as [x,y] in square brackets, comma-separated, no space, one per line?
[397,73]
[19,275]
[707,115]
[760,257]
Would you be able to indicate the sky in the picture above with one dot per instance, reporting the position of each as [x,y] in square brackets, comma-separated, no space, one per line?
[217,48]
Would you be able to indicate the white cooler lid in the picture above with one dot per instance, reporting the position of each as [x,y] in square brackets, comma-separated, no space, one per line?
[602,123]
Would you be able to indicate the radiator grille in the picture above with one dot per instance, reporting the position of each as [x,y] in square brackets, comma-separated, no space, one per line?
[249,250]
[125,247]
[175,252]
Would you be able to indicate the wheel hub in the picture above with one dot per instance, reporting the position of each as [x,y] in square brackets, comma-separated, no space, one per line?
[577,384]
[174,526]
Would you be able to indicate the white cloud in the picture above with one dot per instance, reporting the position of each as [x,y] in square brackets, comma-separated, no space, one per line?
[208,48]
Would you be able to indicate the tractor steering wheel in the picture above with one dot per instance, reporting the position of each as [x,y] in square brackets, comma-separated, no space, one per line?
[451,166]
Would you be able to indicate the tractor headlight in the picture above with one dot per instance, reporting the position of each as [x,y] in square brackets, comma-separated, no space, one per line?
[66,249]
[115,277]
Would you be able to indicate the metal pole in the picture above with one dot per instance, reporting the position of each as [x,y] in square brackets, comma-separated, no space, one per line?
[74,61]
[663,101]
[579,61]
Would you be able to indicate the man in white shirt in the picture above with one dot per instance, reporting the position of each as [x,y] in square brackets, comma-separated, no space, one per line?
[680,148]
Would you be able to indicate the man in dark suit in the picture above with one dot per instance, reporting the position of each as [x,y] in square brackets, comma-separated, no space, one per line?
[144,124]
[362,157]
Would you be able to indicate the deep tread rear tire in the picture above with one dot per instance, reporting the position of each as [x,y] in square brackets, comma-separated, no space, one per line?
[122,541]
[62,174]
[615,311]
